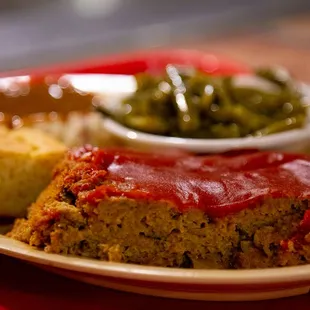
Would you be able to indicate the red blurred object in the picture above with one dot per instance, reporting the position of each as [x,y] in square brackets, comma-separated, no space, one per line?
[132,63]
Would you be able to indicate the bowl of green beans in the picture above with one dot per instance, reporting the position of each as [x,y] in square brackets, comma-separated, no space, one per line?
[197,112]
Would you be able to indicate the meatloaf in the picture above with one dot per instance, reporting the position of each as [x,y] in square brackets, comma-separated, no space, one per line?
[235,210]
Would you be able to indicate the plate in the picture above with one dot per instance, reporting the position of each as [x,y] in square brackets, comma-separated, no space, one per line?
[216,285]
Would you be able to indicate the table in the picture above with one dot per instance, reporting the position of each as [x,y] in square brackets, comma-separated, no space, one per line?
[36,32]
[25,287]
[284,42]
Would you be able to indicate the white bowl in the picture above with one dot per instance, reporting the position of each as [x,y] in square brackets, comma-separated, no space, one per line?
[293,140]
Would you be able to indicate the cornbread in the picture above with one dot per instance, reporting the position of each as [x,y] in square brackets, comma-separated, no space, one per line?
[229,211]
[27,158]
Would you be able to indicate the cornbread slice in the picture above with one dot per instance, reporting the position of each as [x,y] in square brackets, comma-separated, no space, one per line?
[27,158]
[227,211]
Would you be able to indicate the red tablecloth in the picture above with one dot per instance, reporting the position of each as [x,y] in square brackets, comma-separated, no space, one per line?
[24,287]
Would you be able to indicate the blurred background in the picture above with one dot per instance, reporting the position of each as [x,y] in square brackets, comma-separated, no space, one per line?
[37,32]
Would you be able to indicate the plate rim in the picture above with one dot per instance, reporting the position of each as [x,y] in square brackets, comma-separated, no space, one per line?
[20,250]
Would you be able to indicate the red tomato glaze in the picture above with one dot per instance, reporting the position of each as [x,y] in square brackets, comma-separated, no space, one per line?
[218,185]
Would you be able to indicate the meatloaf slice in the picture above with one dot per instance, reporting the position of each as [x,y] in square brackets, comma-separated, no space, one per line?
[247,210]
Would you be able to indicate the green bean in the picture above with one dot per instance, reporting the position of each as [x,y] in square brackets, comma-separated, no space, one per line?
[188,118]
[240,115]
[279,76]
[149,124]
[282,125]
[257,100]
[225,131]
[146,81]
[185,103]
[202,90]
